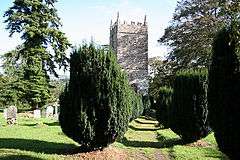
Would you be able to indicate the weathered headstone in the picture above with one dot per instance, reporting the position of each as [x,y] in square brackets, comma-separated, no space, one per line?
[11,114]
[5,113]
[56,112]
[37,113]
[56,109]
[49,111]
[56,116]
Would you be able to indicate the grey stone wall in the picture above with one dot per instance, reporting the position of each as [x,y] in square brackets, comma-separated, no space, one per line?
[130,42]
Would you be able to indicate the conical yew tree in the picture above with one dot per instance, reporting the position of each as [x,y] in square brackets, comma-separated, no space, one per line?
[164,102]
[224,90]
[188,114]
[95,107]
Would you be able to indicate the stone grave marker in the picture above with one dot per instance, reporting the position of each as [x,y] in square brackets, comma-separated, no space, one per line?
[56,112]
[37,113]
[49,111]
[56,109]
[11,115]
[5,113]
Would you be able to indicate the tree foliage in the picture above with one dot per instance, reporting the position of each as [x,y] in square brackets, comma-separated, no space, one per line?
[164,102]
[163,76]
[32,83]
[38,23]
[223,90]
[96,105]
[43,47]
[56,89]
[36,81]
[193,27]
[12,93]
[188,114]
[137,104]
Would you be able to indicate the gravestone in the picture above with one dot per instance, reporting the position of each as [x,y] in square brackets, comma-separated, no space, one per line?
[49,111]
[5,113]
[56,112]
[56,109]
[37,113]
[11,115]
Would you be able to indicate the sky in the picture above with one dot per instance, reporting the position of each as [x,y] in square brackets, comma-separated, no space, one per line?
[84,20]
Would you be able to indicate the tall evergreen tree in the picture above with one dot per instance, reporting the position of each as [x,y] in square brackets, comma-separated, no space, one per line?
[188,114]
[97,103]
[37,83]
[223,90]
[164,102]
[43,47]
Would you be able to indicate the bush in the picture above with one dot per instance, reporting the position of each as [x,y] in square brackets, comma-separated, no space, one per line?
[189,110]
[146,104]
[164,102]
[137,105]
[96,104]
[223,91]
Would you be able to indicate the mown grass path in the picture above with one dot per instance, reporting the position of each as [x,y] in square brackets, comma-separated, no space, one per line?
[146,140]
[141,140]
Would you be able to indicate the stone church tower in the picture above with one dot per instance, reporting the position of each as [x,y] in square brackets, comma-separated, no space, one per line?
[130,43]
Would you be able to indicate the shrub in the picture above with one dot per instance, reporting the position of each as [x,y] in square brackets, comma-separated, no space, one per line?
[137,105]
[164,101]
[95,106]
[224,91]
[146,104]
[189,110]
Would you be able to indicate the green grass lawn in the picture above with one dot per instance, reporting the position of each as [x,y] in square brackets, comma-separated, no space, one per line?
[33,139]
[146,139]
[43,139]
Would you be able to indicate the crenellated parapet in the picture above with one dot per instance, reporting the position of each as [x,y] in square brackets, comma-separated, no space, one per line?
[129,27]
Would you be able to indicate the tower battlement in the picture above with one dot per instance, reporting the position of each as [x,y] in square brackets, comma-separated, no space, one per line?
[130,43]
[132,27]
[132,23]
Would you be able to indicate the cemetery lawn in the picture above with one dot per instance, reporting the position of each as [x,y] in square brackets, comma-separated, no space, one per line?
[43,139]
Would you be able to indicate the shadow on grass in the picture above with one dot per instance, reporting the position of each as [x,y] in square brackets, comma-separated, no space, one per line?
[148,118]
[29,125]
[220,157]
[19,157]
[140,122]
[143,129]
[37,146]
[163,143]
[35,124]
[52,124]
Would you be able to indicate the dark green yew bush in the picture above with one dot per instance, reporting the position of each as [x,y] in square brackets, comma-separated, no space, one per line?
[164,102]
[146,105]
[137,105]
[188,114]
[96,105]
[224,90]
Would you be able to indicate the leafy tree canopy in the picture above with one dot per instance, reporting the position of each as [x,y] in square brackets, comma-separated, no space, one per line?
[193,27]
[163,76]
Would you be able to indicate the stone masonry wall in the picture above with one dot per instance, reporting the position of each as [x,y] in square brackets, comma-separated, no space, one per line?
[130,42]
